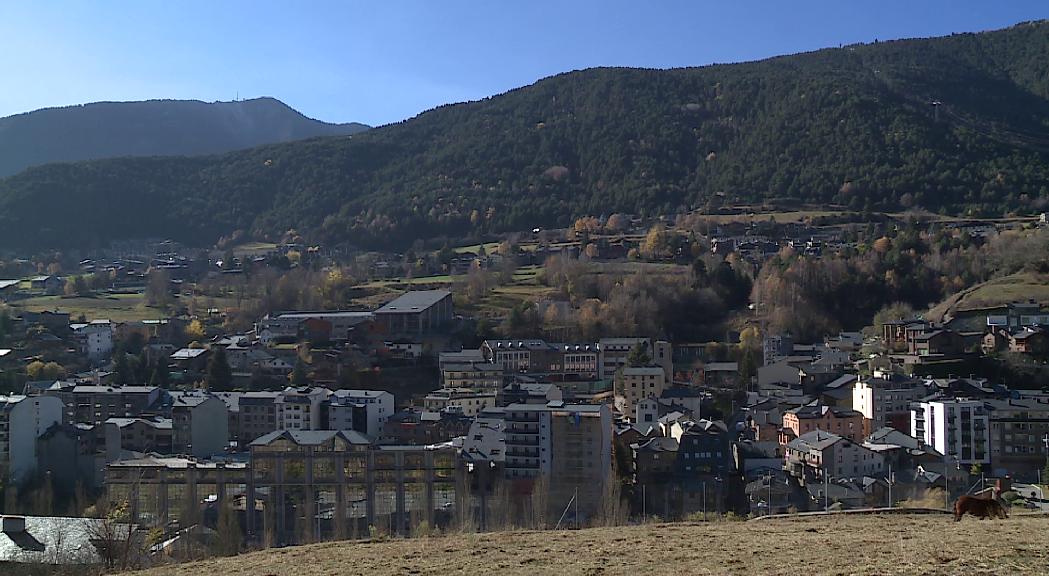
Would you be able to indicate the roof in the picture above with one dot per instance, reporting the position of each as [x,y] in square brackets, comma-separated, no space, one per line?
[311,437]
[842,381]
[414,301]
[815,440]
[352,314]
[820,410]
[721,367]
[188,353]
[8,283]
[657,445]
[158,423]
[91,389]
[51,540]
[642,371]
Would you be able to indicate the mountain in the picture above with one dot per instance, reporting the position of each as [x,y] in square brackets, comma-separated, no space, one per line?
[854,126]
[152,128]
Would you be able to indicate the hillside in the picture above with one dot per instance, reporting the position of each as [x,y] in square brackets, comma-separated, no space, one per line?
[152,128]
[816,545]
[851,126]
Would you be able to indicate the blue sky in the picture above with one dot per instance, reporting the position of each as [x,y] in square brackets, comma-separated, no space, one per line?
[386,60]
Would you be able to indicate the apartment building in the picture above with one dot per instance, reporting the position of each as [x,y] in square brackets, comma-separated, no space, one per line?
[1019,432]
[258,415]
[958,428]
[301,408]
[885,400]
[200,424]
[635,383]
[467,401]
[365,411]
[569,445]
[841,421]
[23,419]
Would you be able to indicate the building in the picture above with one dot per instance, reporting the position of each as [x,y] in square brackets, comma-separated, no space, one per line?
[635,383]
[705,467]
[1019,428]
[474,375]
[841,421]
[885,400]
[301,408]
[95,339]
[258,415]
[137,435]
[616,351]
[334,325]
[464,400]
[160,490]
[94,404]
[23,419]
[958,428]
[416,312]
[530,355]
[315,485]
[569,445]
[1019,315]
[823,455]
[200,424]
[365,411]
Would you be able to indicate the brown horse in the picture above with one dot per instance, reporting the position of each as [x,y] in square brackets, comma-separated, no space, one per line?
[979,507]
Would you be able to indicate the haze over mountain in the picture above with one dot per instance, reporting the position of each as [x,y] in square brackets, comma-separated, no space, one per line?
[854,126]
[152,128]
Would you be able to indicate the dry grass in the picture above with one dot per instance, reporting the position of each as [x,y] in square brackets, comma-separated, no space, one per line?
[896,544]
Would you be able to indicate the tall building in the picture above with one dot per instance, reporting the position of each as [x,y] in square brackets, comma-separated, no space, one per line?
[568,445]
[23,419]
[199,424]
[885,400]
[958,428]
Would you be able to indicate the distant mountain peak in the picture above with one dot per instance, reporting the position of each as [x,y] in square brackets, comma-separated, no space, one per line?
[99,130]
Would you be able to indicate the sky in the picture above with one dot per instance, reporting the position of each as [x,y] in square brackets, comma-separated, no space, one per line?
[383,61]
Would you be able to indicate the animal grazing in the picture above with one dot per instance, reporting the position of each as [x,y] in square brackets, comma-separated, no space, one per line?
[979,507]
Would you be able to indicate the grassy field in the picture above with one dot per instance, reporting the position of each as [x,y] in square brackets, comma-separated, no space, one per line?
[897,544]
[115,307]
[997,292]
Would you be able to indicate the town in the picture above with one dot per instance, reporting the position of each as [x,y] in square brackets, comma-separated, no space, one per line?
[402,404]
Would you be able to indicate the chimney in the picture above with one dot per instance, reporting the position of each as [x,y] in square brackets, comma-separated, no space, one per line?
[13,524]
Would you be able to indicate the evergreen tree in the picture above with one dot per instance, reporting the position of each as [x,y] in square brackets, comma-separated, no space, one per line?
[159,376]
[639,355]
[123,373]
[219,374]
[298,375]
[228,535]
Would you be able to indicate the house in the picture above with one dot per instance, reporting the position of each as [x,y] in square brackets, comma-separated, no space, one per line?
[1030,340]
[824,455]
[811,417]
[781,372]
[47,284]
[721,374]
[529,393]
[190,360]
[705,468]
[476,375]
[95,339]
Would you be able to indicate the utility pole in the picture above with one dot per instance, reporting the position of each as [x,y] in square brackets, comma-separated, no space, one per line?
[826,491]
[889,479]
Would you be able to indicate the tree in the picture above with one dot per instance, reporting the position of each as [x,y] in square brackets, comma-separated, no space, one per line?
[123,373]
[639,355]
[37,370]
[159,376]
[299,377]
[158,289]
[219,375]
[195,330]
[228,535]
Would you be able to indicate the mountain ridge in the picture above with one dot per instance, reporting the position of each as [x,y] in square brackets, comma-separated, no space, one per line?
[854,126]
[159,127]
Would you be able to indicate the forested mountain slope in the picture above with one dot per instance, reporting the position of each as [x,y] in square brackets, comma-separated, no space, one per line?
[854,126]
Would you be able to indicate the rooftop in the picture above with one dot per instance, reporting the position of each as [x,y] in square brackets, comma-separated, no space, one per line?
[414,301]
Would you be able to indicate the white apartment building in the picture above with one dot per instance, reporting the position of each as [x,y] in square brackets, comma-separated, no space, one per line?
[365,411]
[23,419]
[885,400]
[958,428]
